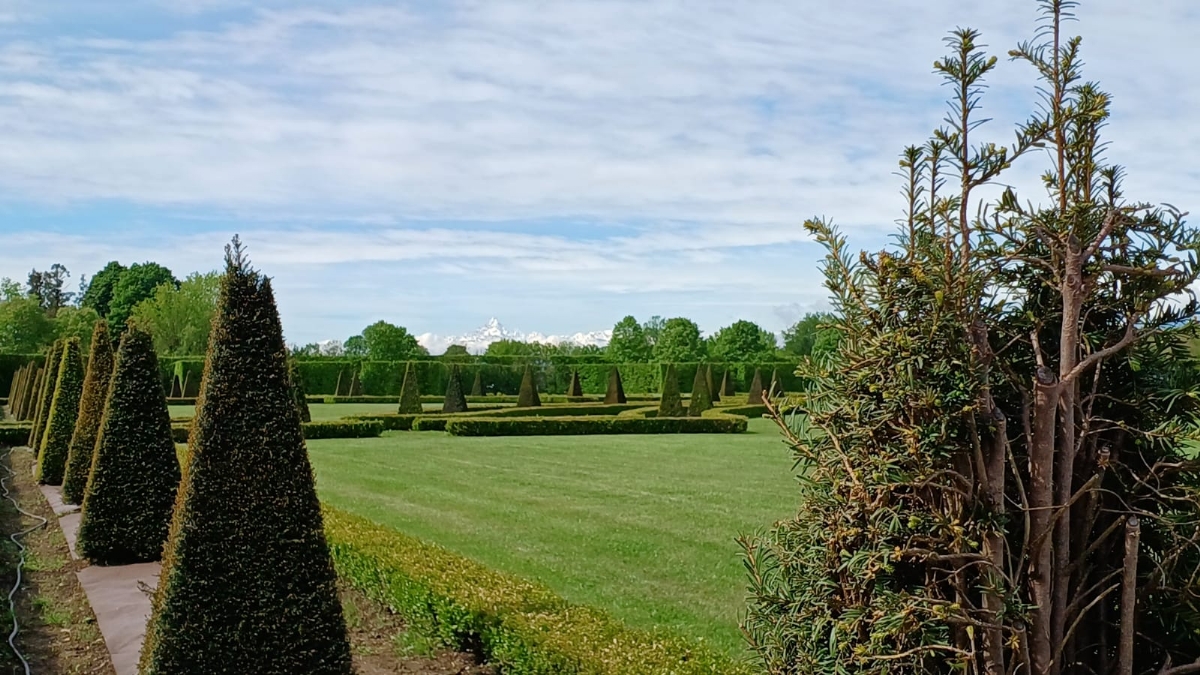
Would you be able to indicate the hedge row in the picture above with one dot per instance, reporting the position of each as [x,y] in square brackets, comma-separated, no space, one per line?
[430,423]
[15,434]
[522,627]
[358,428]
[578,426]
[9,363]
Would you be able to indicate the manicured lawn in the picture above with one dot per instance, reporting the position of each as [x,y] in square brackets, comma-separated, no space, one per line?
[642,526]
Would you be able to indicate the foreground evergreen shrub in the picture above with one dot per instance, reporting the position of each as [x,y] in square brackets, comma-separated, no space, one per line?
[576,387]
[700,400]
[528,397]
[756,389]
[410,393]
[247,584]
[45,395]
[64,411]
[299,393]
[616,392]
[671,404]
[134,472]
[91,410]
[456,401]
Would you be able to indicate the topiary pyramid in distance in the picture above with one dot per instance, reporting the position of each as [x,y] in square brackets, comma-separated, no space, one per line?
[64,411]
[616,391]
[299,391]
[29,396]
[247,582]
[44,395]
[701,399]
[356,388]
[410,393]
[477,387]
[337,388]
[670,405]
[756,389]
[528,396]
[134,472]
[91,411]
[455,401]
[727,384]
[776,388]
[576,387]
[713,392]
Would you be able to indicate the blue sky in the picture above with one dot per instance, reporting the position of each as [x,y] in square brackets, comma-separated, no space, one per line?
[557,165]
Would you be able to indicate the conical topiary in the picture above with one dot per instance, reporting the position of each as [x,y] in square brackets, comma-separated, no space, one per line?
[356,388]
[14,392]
[477,387]
[134,473]
[727,384]
[670,405]
[776,388]
[701,398]
[91,411]
[338,389]
[455,401]
[64,411]
[410,392]
[247,582]
[176,387]
[16,404]
[528,396]
[299,391]
[713,392]
[44,395]
[29,396]
[616,391]
[191,384]
[576,387]
[756,389]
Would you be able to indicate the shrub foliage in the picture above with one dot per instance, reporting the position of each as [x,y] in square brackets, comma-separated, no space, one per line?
[700,400]
[45,394]
[455,401]
[528,397]
[616,391]
[756,389]
[64,411]
[91,411]
[671,404]
[410,395]
[299,391]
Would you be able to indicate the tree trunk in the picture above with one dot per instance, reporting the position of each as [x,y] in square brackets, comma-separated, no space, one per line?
[1041,503]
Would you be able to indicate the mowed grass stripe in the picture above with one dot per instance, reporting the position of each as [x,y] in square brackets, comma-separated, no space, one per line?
[643,526]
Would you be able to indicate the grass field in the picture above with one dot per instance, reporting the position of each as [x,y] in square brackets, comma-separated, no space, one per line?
[642,526]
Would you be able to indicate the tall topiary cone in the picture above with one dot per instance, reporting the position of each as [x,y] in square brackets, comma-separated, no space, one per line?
[191,384]
[356,388]
[615,392]
[670,405]
[133,473]
[477,387]
[701,398]
[29,395]
[44,395]
[337,388]
[247,582]
[756,389]
[64,411]
[713,391]
[299,391]
[528,396]
[91,410]
[455,401]
[410,392]
[776,388]
[176,387]
[727,384]
[576,387]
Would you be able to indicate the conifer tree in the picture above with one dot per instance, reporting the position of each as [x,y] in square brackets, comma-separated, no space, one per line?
[701,399]
[247,582]
[477,387]
[616,391]
[576,387]
[528,396]
[64,411]
[713,392]
[134,473]
[299,391]
[455,401]
[410,392]
[756,389]
[91,411]
[44,395]
[671,403]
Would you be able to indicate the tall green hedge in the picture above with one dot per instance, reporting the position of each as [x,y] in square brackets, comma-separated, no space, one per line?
[45,395]
[247,583]
[134,472]
[64,411]
[91,411]
[10,363]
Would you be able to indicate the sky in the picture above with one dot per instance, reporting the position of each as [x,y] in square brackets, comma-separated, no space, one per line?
[558,165]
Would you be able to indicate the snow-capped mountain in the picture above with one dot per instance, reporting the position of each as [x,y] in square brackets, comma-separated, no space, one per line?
[477,341]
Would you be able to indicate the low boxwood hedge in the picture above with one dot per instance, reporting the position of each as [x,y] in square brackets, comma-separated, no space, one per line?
[15,434]
[521,627]
[430,423]
[566,410]
[744,410]
[181,401]
[312,430]
[580,426]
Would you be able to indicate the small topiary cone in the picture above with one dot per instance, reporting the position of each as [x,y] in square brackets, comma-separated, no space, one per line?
[713,392]
[356,388]
[410,393]
[45,395]
[455,401]
[701,399]
[134,472]
[64,412]
[29,405]
[337,389]
[727,385]
[616,390]
[528,397]
[756,389]
[671,404]
[91,412]
[576,387]
[477,387]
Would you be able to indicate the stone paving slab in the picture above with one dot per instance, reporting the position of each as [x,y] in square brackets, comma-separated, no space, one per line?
[70,528]
[53,494]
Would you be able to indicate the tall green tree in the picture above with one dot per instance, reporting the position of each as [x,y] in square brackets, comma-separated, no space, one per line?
[46,287]
[99,291]
[456,353]
[679,342]
[180,317]
[388,342]
[801,338]
[629,343]
[653,329]
[24,326]
[135,284]
[742,342]
[998,457]
[247,577]
[76,322]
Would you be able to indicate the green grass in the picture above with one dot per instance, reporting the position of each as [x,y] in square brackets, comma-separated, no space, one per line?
[324,412]
[642,526]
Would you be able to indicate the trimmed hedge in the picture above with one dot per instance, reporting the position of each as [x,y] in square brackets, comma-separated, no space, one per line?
[700,399]
[346,428]
[410,395]
[91,413]
[64,412]
[528,398]
[581,426]
[429,423]
[743,410]
[670,405]
[522,627]
[10,363]
[15,434]
[45,396]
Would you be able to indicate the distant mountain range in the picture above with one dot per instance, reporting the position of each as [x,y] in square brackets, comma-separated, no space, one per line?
[477,341]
